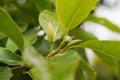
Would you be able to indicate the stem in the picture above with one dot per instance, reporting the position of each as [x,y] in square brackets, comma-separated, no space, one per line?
[62,43]
[51,47]
[51,50]
[52,44]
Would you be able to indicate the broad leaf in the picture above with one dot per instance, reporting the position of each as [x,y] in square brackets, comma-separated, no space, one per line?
[63,67]
[9,58]
[46,17]
[47,69]
[71,13]
[37,62]
[104,22]
[109,48]
[9,28]
[11,46]
[72,59]
[5,73]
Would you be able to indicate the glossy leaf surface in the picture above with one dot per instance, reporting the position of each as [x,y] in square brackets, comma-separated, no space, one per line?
[71,13]
[9,58]
[9,28]
[109,48]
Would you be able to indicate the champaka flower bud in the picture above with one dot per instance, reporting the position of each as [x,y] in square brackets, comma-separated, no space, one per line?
[50,33]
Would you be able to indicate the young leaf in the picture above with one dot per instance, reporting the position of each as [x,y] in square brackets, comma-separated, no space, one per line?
[104,22]
[73,42]
[109,48]
[47,17]
[9,28]
[9,58]
[71,13]
[5,73]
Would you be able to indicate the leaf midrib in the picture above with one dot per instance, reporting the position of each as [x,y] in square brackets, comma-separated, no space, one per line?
[81,46]
[74,16]
[76,13]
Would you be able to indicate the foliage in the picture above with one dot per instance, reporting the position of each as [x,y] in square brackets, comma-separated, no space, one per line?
[27,55]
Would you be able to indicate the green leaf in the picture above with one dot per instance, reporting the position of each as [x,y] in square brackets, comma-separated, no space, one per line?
[9,58]
[54,68]
[104,22]
[9,28]
[59,65]
[36,74]
[11,46]
[82,53]
[71,13]
[47,17]
[37,62]
[5,73]
[109,48]
[78,33]
[69,58]
[80,75]
[60,61]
